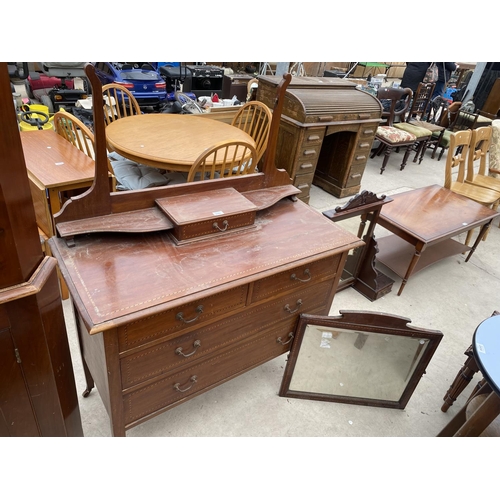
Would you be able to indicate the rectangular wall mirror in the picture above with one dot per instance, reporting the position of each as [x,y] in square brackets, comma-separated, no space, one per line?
[359,357]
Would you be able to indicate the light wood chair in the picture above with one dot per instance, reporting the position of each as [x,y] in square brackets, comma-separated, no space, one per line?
[254,118]
[478,150]
[225,159]
[77,133]
[456,160]
[119,102]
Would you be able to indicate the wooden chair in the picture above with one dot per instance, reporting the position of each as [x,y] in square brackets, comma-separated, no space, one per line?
[77,133]
[225,159]
[459,143]
[125,174]
[254,118]
[441,134]
[478,150]
[119,102]
[388,135]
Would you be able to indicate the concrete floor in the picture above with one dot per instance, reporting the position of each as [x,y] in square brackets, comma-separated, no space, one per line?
[451,296]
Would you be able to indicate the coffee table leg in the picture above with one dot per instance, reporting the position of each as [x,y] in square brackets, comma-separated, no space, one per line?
[409,271]
[479,238]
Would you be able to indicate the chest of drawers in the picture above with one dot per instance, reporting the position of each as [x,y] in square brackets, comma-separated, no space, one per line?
[160,323]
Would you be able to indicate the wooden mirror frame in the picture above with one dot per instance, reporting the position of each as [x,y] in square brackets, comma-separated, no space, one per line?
[362,322]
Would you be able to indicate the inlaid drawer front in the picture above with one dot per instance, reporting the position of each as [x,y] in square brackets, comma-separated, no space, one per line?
[206,374]
[173,354]
[195,313]
[303,275]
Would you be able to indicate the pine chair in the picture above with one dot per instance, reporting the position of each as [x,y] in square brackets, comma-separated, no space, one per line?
[254,118]
[126,174]
[119,102]
[388,135]
[77,133]
[459,143]
[479,147]
[225,159]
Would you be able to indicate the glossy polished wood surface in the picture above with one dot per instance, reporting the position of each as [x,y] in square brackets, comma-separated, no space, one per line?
[432,213]
[117,276]
[54,162]
[172,142]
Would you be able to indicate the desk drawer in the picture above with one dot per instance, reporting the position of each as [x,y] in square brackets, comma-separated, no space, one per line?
[177,319]
[304,275]
[275,315]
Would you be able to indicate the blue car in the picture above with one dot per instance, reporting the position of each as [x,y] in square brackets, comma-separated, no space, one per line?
[142,79]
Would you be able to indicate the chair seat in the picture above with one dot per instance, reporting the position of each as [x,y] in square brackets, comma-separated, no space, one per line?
[445,140]
[482,195]
[131,175]
[418,132]
[395,135]
[486,181]
[427,125]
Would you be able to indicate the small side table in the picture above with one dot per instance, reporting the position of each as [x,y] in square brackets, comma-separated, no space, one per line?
[486,352]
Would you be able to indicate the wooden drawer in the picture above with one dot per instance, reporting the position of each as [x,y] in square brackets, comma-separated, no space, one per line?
[223,224]
[355,175]
[304,275]
[198,378]
[274,315]
[313,136]
[175,320]
[309,153]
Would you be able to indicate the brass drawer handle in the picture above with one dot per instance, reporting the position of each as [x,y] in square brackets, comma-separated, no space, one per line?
[287,307]
[305,166]
[314,138]
[196,344]
[180,316]
[309,152]
[216,226]
[355,176]
[306,272]
[177,386]
[290,338]
[360,157]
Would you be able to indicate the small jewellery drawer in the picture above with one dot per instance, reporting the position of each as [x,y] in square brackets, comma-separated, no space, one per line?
[173,354]
[223,224]
[156,326]
[208,373]
[303,275]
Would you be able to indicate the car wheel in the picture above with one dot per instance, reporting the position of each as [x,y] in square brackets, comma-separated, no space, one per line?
[46,101]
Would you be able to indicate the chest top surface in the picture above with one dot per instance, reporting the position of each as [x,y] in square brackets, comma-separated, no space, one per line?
[115,276]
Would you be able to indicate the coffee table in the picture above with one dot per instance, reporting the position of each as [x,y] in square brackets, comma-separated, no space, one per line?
[423,222]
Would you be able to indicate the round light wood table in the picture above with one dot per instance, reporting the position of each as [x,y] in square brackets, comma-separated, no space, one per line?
[170,142]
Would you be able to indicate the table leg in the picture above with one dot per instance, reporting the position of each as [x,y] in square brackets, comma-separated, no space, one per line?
[409,271]
[482,232]
[462,380]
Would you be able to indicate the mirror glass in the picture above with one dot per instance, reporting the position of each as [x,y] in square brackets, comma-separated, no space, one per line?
[357,364]
[359,357]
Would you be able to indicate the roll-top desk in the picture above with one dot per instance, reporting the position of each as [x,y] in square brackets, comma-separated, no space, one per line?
[162,320]
[326,133]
